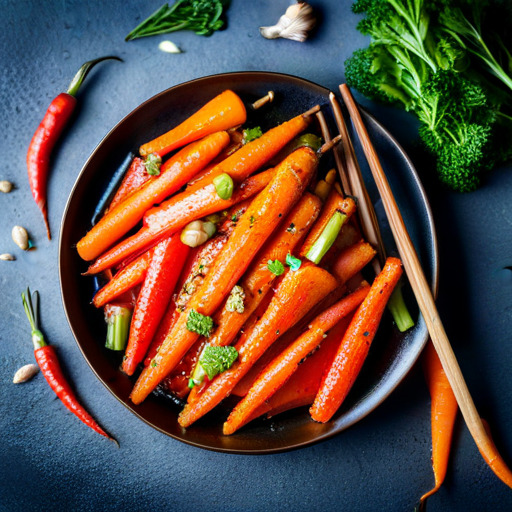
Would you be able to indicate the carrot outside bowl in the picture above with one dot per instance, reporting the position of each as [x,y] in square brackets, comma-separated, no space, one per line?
[392,353]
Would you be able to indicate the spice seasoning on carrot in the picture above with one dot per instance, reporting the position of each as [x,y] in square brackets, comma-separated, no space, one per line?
[47,134]
[46,358]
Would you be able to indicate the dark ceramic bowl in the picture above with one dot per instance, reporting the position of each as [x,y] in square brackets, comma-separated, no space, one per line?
[392,354]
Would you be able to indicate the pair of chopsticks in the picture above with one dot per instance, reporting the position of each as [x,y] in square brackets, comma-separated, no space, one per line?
[353,184]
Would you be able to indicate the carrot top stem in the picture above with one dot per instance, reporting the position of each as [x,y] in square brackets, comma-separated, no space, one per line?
[326,239]
[84,71]
[31,310]
[118,320]
[398,309]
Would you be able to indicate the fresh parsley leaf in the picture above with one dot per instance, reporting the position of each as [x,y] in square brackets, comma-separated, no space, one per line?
[199,324]
[276,267]
[215,360]
[251,134]
[293,262]
[152,164]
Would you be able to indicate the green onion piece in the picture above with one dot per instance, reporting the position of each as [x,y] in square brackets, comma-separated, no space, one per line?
[224,186]
[326,239]
[398,309]
[152,164]
[118,320]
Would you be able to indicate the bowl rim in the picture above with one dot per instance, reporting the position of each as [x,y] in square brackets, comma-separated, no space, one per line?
[434,278]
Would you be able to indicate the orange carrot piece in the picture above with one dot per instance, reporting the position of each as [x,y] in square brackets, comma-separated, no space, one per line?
[298,292]
[355,345]
[352,260]
[223,112]
[175,214]
[262,217]
[496,463]
[131,275]
[258,279]
[444,411]
[173,175]
[285,365]
[335,203]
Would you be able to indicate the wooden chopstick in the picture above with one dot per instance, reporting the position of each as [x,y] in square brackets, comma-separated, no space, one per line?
[366,212]
[424,296]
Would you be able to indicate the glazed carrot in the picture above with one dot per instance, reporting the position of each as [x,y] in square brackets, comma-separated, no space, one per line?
[284,366]
[444,411]
[161,277]
[176,214]
[173,175]
[352,260]
[255,226]
[496,463]
[259,278]
[298,292]
[131,275]
[355,345]
[335,203]
[134,178]
[221,113]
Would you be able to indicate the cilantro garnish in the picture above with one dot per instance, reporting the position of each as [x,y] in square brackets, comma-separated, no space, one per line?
[276,267]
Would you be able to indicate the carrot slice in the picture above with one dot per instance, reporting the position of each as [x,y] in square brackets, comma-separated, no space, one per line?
[284,366]
[356,343]
[256,225]
[173,175]
[298,292]
[223,112]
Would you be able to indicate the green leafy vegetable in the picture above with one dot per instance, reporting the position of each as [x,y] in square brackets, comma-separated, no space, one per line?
[215,360]
[276,267]
[152,164]
[293,262]
[200,324]
[252,134]
[201,16]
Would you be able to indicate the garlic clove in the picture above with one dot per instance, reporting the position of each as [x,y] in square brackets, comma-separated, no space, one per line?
[20,237]
[169,47]
[5,186]
[295,24]
[7,257]
[25,373]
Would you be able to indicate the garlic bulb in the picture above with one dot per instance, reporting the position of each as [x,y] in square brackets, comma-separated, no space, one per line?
[294,24]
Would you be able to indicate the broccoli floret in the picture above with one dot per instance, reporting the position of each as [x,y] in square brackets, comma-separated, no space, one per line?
[215,360]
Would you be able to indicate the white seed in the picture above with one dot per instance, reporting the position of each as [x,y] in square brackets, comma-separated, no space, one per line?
[7,257]
[20,237]
[5,186]
[25,373]
[169,47]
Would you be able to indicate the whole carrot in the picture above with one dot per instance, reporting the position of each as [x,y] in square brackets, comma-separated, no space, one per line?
[223,112]
[132,275]
[298,292]
[175,214]
[444,411]
[49,364]
[277,373]
[173,175]
[355,345]
[47,135]
[161,276]
[252,230]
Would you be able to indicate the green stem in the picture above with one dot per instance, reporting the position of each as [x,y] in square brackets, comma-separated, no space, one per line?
[118,321]
[326,239]
[398,309]
[84,71]
[198,374]
[31,310]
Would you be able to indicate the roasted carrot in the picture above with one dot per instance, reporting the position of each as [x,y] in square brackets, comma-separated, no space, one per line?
[223,112]
[355,345]
[177,213]
[298,292]
[496,462]
[259,278]
[284,366]
[352,260]
[173,175]
[161,277]
[444,411]
[255,226]
[130,276]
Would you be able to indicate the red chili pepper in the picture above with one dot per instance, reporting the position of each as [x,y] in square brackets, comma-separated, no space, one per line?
[49,364]
[47,134]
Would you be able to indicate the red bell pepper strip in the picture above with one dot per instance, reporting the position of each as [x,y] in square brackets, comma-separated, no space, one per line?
[49,364]
[47,134]
[163,272]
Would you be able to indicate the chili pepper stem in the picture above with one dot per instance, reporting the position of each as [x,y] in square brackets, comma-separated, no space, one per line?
[84,71]
[31,310]
[398,309]
[326,239]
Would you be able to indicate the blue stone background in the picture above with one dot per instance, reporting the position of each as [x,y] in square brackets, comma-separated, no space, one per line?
[49,461]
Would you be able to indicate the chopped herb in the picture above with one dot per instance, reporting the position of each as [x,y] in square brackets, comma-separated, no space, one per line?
[291,228]
[199,324]
[252,219]
[280,215]
[251,134]
[201,266]
[235,300]
[215,360]
[366,333]
[234,218]
[152,164]
[293,262]
[276,267]
[191,383]
[260,291]
[277,332]
[154,364]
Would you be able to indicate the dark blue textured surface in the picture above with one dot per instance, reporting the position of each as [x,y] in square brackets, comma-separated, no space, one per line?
[49,461]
